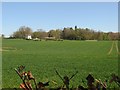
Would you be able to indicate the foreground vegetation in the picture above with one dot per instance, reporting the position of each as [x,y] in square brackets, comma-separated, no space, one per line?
[41,57]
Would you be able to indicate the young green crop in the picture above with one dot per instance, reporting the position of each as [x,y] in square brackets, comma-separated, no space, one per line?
[41,57]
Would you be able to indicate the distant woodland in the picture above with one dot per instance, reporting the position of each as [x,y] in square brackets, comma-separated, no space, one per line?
[67,33]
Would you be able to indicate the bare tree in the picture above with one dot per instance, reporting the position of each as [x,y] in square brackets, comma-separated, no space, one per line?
[22,32]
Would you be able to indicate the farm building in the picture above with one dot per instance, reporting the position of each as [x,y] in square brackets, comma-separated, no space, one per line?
[29,37]
[49,38]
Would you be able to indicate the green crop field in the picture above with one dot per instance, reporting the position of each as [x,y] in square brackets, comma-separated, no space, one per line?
[42,57]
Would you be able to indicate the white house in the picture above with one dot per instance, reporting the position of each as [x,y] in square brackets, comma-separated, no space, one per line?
[29,37]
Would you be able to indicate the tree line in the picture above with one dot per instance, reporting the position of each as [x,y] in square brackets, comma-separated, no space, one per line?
[67,33]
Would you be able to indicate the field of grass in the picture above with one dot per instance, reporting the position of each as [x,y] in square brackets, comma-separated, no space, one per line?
[41,57]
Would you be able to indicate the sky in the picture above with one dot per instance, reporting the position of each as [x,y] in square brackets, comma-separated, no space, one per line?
[99,16]
[60,0]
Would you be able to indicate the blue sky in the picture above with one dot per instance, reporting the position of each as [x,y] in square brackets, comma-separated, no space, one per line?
[101,16]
